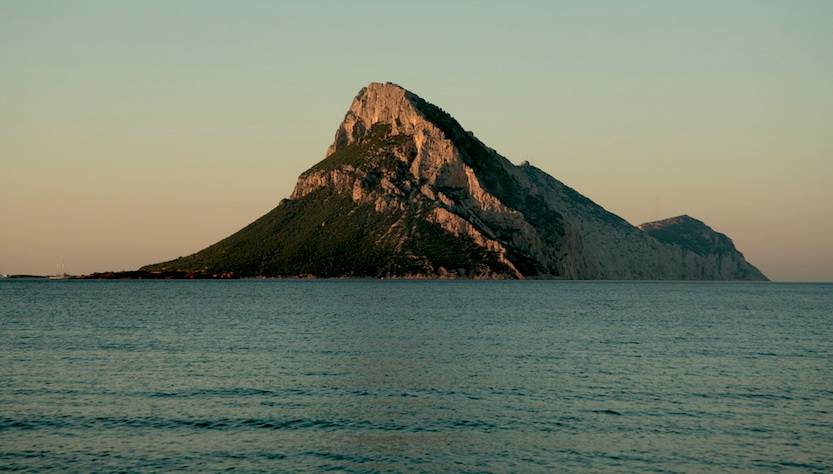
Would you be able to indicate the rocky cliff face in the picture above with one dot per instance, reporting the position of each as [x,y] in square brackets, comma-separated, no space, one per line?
[405,191]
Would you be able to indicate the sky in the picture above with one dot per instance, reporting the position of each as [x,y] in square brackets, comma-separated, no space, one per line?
[136,132]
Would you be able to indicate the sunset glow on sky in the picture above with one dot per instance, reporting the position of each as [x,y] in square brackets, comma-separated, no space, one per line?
[132,133]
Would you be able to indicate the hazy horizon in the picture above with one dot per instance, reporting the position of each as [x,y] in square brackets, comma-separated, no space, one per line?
[135,133]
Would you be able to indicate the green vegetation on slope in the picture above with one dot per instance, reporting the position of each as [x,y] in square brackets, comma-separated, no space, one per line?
[375,144]
[322,234]
[327,235]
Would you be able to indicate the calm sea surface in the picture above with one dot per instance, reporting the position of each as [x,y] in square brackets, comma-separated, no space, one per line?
[424,376]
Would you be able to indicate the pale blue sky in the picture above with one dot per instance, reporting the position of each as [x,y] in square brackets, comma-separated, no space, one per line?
[133,132]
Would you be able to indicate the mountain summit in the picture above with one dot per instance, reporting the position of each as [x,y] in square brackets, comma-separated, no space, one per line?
[404,191]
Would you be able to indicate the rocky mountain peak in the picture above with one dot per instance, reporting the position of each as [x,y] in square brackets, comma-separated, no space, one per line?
[376,103]
[404,190]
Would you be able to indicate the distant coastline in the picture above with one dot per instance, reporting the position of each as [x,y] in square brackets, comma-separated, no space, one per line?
[137,275]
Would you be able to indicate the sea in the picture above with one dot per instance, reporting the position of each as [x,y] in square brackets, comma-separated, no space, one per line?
[415,376]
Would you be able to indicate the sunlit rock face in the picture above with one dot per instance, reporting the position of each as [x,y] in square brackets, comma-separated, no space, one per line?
[404,191]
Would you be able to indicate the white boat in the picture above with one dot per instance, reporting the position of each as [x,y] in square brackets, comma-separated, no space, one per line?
[61,275]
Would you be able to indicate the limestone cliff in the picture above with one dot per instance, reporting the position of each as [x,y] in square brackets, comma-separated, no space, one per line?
[405,191]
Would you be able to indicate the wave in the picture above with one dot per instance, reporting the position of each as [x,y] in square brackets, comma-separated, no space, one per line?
[8,424]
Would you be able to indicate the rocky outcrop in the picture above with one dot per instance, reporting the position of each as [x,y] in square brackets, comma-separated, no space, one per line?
[719,259]
[425,198]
